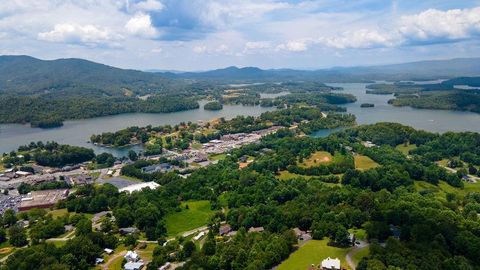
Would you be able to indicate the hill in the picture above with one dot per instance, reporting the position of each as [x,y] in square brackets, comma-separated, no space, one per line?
[26,75]
[422,70]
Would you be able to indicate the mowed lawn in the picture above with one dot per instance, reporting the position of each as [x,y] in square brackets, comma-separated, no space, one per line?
[440,191]
[360,254]
[317,158]
[313,252]
[364,163]
[405,148]
[197,215]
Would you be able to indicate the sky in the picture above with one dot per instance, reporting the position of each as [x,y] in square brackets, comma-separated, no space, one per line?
[195,35]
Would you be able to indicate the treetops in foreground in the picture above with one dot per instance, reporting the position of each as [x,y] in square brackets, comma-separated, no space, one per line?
[438,227]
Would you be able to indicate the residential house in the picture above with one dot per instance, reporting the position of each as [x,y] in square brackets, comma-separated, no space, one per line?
[256,229]
[331,264]
[133,266]
[131,256]
[225,229]
[128,230]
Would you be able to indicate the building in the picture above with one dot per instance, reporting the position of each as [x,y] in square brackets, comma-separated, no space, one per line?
[42,199]
[128,230]
[163,167]
[198,236]
[225,229]
[331,264]
[166,266]
[22,173]
[81,179]
[131,256]
[256,229]
[133,266]
[140,186]
[108,251]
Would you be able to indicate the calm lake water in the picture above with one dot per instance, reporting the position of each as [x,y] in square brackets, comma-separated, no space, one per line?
[78,132]
[430,120]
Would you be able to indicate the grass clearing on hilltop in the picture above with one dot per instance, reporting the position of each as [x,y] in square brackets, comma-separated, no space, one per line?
[364,163]
[197,215]
[313,252]
[317,158]
[405,148]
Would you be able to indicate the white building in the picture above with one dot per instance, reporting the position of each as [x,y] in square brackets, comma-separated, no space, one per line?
[131,256]
[133,266]
[140,186]
[331,264]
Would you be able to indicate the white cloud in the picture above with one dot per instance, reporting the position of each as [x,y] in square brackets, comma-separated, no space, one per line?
[199,49]
[149,5]
[436,24]
[222,48]
[359,39]
[78,34]
[141,25]
[294,46]
[256,45]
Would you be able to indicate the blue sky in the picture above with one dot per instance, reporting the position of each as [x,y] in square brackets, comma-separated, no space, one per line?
[208,34]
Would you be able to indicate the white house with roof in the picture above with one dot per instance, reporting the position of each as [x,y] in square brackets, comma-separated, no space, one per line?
[133,266]
[331,264]
[131,256]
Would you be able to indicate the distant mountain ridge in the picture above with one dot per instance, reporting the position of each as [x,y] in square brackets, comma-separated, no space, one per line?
[421,70]
[26,75]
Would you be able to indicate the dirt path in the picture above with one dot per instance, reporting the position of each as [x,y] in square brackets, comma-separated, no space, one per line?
[353,251]
[113,258]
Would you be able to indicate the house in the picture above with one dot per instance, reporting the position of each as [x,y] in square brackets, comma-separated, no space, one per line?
[200,157]
[256,229]
[198,236]
[68,228]
[166,266]
[133,265]
[331,264]
[368,144]
[131,256]
[225,229]
[352,238]
[108,251]
[22,173]
[98,260]
[128,230]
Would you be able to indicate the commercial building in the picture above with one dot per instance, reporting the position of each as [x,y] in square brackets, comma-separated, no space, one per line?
[140,186]
[42,199]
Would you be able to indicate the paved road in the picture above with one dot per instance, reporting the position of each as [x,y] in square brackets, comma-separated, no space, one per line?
[353,251]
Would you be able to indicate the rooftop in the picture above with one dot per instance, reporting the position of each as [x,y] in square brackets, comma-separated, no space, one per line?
[43,198]
[140,186]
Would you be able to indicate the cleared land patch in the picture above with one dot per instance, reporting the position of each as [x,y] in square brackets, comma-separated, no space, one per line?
[364,163]
[317,158]
[197,215]
[405,148]
[313,252]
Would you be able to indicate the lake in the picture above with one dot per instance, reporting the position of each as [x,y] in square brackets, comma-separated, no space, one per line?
[78,132]
[430,120]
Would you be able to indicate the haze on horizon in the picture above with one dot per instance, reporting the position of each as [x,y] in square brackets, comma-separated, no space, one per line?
[208,34]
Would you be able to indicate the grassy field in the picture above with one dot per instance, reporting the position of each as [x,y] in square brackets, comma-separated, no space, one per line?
[58,212]
[317,158]
[443,188]
[359,255]
[197,215]
[197,146]
[147,253]
[360,234]
[313,252]
[285,175]
[218,157]
[364,163]
[405,149]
